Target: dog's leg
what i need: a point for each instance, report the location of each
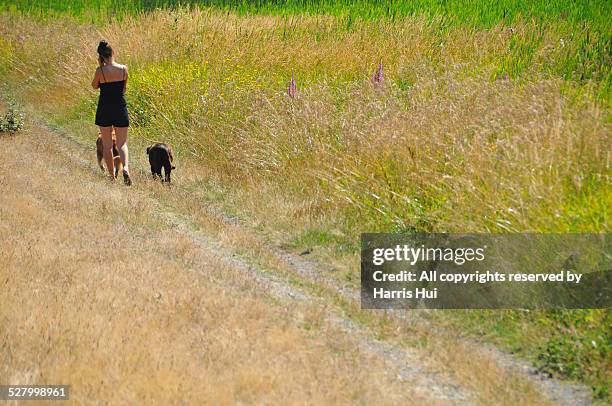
(99, 152)
(118, 166)
(100, 159)
(156, 172)
(167, 170)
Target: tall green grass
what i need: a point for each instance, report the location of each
(583, 26)
(477, 12)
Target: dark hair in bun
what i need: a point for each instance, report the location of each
(105, 50)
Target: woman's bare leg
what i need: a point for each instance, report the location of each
(107, 149)
(121, 136)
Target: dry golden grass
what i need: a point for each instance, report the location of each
(99, 294)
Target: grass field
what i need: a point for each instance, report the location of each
(489, 119)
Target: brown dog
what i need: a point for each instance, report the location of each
(100, 154)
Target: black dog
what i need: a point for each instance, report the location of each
(160, 156)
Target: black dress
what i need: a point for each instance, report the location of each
(112, 107)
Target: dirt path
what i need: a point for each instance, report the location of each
(121, 290)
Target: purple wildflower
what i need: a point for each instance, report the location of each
(378, 77)
(292, 90)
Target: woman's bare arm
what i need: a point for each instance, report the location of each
(95, 83)
(126, 79)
